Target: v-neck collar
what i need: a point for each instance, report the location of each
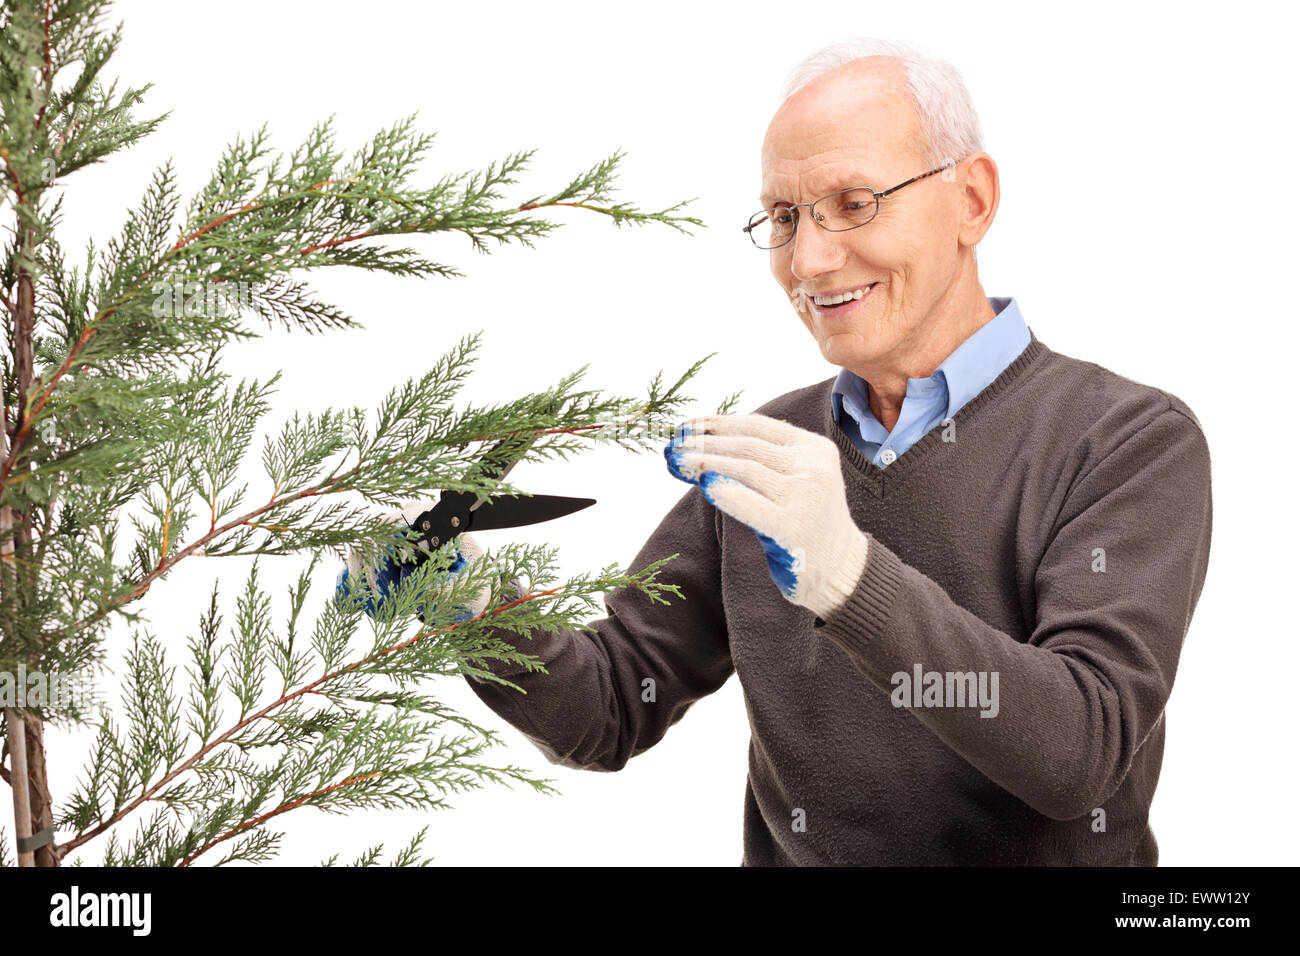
(925, 445)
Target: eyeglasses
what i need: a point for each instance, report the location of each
(838, 212)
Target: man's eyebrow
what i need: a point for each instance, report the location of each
(844, 182)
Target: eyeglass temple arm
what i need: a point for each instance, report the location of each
(948, 165)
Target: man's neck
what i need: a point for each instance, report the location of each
(887, 388)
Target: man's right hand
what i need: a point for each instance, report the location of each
(385, 574)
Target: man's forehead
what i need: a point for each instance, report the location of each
(820, 175)
(826, 162)
(854, 125)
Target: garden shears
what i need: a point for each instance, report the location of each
(459, 512)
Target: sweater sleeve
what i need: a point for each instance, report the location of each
(1080, 696)
(611, 692)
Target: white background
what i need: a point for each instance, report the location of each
(1147, 223)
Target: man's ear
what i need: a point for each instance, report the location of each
(980, 195)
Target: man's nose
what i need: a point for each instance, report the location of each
(814, 249)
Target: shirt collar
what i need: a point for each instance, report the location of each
(850, 386)
(982, 357)
(964, 373)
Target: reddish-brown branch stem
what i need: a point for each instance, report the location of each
(283, 808)
(58, 147)
(186, 240)
(166, 565)
(15, 447)
(246, 207)
(543, 205)
(336, 242)
(13, 174)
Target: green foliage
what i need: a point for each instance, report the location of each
(360, 735)
(129, 446)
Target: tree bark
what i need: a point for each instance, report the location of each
(37, 790)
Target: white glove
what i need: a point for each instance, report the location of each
(786, 484)
(385, 574)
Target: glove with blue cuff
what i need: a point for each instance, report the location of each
(386, 574)
(785, 483)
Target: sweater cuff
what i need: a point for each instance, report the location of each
(864, 617)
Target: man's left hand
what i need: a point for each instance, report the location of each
(785, 483)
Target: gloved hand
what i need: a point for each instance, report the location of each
(386, 573)
(785, 483)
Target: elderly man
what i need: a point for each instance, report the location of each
(954, 578)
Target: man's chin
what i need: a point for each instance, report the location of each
(844, 349)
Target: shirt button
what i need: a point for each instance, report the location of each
(888, 456)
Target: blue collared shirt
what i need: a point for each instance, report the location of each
(930, 401)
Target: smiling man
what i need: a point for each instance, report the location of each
(953, 578)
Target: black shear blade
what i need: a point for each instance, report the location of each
(511, 512)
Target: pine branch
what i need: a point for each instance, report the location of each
(418, 446)
(596, 186)
(391, 658)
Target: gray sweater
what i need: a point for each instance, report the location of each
(993, 691)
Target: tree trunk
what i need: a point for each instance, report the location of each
(38, 788)
(37, 784)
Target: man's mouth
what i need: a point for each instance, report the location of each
(840, 304)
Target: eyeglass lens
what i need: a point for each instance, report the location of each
(847, 209)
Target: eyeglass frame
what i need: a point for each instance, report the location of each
(876, 196)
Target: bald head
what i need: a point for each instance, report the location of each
(862, 109)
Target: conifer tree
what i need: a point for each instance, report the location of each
(128, 447)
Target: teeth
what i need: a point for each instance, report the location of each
(837, 299)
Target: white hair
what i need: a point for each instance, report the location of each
(949, 123)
